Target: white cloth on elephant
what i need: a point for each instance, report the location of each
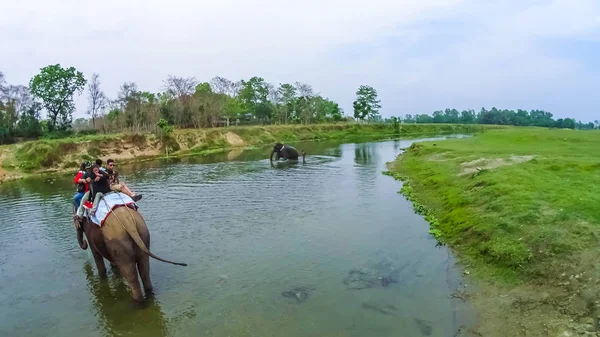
(108, 202)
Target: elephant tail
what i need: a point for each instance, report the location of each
(131, 229)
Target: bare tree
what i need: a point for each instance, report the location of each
(180, 86)
(235, 90)
(127, 90)
(304, 90)
(305, 101)
(20, 96)
(274, 94)
(221, 85)
(97, 100)
(14, 100)
(3, 87)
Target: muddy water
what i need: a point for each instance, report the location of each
(331, 227)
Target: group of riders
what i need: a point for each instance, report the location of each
(94, 181)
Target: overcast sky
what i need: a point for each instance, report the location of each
(420, 55)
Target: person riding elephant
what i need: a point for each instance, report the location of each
(81, 183)
(124, 240)
(287, 152)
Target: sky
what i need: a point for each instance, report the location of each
(420, 55)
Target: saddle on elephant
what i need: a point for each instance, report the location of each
(107, 203)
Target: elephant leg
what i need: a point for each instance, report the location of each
(144, 268)
(114, 268)
(130, 273)
(99, 263)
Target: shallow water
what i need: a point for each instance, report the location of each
(248, 232)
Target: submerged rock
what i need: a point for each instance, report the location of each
(361, 279)
(300, 294)
(382, 273)
(385, 310)
(424, 327)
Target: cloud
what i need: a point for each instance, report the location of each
(420, 55)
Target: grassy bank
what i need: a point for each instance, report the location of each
(520, 203)
(63, 154)
(520, 206)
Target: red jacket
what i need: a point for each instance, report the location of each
(79, 176)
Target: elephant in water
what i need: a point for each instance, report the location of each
(286, 152)
(124, 240)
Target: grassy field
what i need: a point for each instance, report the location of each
(54, 155)
(519, 204)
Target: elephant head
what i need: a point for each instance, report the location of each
(276, 148)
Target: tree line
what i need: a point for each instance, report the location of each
(496, 116)
(184, 102)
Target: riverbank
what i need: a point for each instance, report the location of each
(63, 155)
(519, 207)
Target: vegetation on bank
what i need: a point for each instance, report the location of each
(518, 203)
(57, 154)
(496, 116)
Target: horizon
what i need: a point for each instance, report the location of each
(420, 56)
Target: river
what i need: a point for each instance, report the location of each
(249, 232)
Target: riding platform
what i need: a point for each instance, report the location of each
(107, 203)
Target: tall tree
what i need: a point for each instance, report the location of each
(221, 85)
(366, 103)
(180, 86)
(253, 93)
(97, 99)
(55, 86)
(3, 87)
(305, 102)
(288, 97)
(29, 122)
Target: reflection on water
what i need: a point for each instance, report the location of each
(364, 154)
(117, 317)
(325, 248)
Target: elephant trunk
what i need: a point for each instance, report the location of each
(271, 156)
(82, 242)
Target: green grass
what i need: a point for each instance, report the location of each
(513, 220)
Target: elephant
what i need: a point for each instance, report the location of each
(124, 240)
(286, 152)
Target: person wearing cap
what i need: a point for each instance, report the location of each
(81, 183)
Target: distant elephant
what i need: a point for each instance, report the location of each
(286, 152)
(124, 240)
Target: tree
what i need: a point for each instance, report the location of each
(233, 108)
(19, 113)
(366, 103)
(29, 123)
(180, 86)
(396, 123)
(97, 99)
(3, 88)
(253, 93)
(55, 86)
(222, 85)
(288, 97)
(305, 102)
